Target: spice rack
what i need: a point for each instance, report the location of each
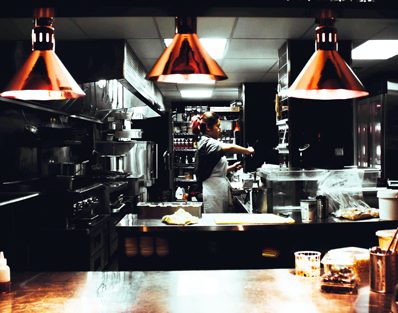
(184, 146)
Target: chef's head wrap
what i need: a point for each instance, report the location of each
(199, 123)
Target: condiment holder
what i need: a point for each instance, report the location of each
(307, 263)
(383, 267)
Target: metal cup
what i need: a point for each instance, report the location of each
(383, 271)
(308, 210)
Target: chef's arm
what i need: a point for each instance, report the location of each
(232, 148)
(234, 167)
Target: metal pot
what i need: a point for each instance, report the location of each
(112, 163)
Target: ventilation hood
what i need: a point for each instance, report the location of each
(108, 71)
(111, 76)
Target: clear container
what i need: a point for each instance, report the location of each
(385, 236)
(339, 274)
(290, 186)
(370, 177)
(307, 263)
(359, 256)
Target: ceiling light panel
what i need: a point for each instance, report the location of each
(214, 46)
(375, 50)
(196, 93)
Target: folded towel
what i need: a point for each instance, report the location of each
(180, 217)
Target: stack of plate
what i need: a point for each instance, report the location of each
(131, 246)
(162, 246)
(146, 246)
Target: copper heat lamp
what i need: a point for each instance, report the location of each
(185, 60)
(43, 76)
(326, 76)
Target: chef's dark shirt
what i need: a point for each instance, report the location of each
(207, 155)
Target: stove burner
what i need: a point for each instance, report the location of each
(111, 176)
(87, 221)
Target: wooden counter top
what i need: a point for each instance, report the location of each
(277, 290)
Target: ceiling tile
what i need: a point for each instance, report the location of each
(244, 77)
(167, 87)
(242, 65)
(274, 68)
(360, 28)
(253, 48)
(358, 64)
(215, 27)
(390, 32)
(270, 77)
(171, 93)
(66, 28)
(226, 83)
(15, 29)
(166, 26)
(225, 96)
(148, 63)
(146, 48)
(118, 27)
(265, 27)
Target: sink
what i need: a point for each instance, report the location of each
(12, 197)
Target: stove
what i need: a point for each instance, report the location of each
(73, 208)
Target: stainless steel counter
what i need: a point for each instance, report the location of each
(231, 291)
(207, 223)
(151, 245)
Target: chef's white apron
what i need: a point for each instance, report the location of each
(216, 191)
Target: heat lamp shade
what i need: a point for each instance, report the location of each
(326, 76)
(186, 61)
(43, 77)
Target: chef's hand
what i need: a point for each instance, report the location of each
(236, 166)
(250, 150)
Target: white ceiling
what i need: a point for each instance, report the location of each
(251, 53)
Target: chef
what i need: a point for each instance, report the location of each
(211, 165)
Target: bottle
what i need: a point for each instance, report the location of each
(5, 281)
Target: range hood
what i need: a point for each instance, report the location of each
(108, 71)
(112, 77)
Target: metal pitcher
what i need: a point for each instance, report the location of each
(383, 271)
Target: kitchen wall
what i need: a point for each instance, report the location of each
(260, 122)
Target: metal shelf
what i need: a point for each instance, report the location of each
(44, 108)
(184, 150)
(182, 122)
(184, 135)
(184, 166)
(186, 181)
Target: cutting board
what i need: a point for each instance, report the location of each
(242, 218)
